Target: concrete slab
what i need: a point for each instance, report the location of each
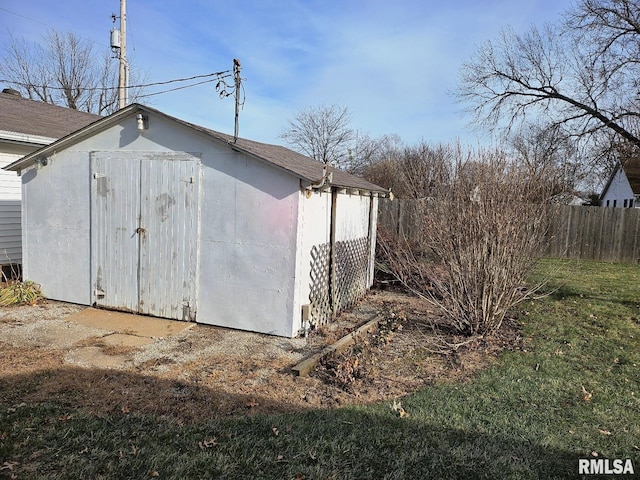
(128, 323)
(126, 340)
(95, 357)
(48, 333)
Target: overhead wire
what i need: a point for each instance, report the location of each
(176, 88)
(218, 76)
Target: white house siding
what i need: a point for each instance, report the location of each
(9, 181)
(10, 195)
(618, 192)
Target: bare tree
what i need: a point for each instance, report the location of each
(322, 133)
(581, 73)
(415, 171)
(550, 154)
(367, 153)
(64, 70)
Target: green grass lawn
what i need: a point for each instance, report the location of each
(574, 392)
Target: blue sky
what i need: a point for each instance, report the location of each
(393, 64)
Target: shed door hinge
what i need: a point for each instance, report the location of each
(97, 175)
(99, 293)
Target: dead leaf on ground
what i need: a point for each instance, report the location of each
(605, 432)
(586, 396)
(397, 407)
(208, 443)
(275, 431)
(9, 465)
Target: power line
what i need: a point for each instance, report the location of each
(51, 27)
(174, 89)
(218, 76)
(24, 16)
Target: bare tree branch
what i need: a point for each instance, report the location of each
(63, 70)
(322, 133)
(582, 73)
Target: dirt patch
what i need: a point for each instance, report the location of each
(205, 371)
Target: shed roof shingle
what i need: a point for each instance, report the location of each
(30, 117)
(281, 157)
(294, 162)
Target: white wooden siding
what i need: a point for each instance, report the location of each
(10, 227)
(619, 190)
(9, 181)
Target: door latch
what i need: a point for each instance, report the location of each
(140, 230)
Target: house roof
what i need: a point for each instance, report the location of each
(39, 119)
(631, 169)
(300, 165)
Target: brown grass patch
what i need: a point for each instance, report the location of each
(390, 362)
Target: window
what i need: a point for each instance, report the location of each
(614, 203)
(607, 203)
(625, 203)
(631, 203)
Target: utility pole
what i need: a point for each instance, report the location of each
(119, 48)
(122, 79)
(237, 80)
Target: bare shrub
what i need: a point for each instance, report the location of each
(477, 239)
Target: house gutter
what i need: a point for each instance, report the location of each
(25, 138)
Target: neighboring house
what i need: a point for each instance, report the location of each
(26, 125)
(567, 198)
(623, 188)
(147, 213)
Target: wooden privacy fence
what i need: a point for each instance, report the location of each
(584, 233)
(401, 216)
(595, 233)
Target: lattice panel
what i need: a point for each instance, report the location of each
(319, 299)
(352, 265)
(350, 277)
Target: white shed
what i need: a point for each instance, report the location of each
(147, 213)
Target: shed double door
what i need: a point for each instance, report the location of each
(144, 232)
